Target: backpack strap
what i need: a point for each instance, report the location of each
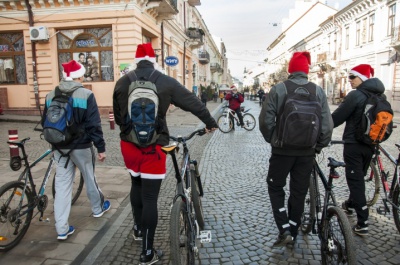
(152, 78)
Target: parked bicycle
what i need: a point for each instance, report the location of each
(187, 218)
(19, 198)
(323, 217)
(377, 174)
(227, 119)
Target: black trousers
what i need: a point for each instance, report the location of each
(144, 196)
(357, 158)
(239, 114)
(299, 168)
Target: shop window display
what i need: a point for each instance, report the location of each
(12, 59)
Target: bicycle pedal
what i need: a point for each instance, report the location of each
(47, 220)
(205, 236)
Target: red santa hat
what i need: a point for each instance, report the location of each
(363, 71)
(145, 52)
(300, 62)
(73, 70)
(233, 87)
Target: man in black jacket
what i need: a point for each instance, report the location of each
(148, 169)
(357, 155)
(285, 160)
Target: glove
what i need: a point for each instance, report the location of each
(236, 96)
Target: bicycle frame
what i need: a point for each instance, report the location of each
(377, 160)
(26, 176)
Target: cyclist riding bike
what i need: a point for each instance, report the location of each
(235, 99)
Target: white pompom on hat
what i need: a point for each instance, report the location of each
(145, 52)
(73, 70)
(363, 71)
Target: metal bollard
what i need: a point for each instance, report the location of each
(13, 136)
(112, 123)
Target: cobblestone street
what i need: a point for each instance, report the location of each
(236, 204)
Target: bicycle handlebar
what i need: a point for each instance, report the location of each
(179, 139)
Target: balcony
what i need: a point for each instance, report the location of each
(214, 67)
(395, 41)
(195, 33)
(204, 57)
(194, 2)
(166, 9)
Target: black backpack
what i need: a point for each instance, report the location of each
(377, 119)
(299, 119)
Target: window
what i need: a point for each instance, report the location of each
(92, 47)
(391, 22)
(364, 31)
(12, 58)
(371, 27)
(347, 38)
(358, 33)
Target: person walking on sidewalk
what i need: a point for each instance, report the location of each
(357, 155)
(147, 168)
(298, 162)
(87, 118)
(235, 99)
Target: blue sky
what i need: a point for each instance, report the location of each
(246, 26)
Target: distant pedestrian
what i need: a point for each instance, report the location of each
(291, 160)
(147, 165)
(204, 98)
(260, 94)
(221, 96)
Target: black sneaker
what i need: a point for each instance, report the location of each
(282, 239)
(152, 258)
(361, 231)
(346, 209)
(137, 234)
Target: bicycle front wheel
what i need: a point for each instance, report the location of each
(337, 243)
(249, 121)
(198, 207)
(395, 208)
(308, 217)
(372, 182)
(225, 124)
(16, 209)
(76, 188)
(180, 235)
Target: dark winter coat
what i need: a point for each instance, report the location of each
(351, 109)
(86, 115)
(170, 91)
(270, 109)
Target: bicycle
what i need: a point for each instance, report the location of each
(376, 174)
(19, 198)
(225, 123)
(333, 227)
(187, 217)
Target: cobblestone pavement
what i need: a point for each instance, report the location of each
(236, 204)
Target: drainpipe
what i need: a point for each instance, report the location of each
(162, 46)
(184, 63)
(33, 45)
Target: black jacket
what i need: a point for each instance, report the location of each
(169, 90)
(350, 110)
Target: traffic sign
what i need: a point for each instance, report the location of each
(171, 60)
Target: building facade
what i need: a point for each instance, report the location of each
(36, 37)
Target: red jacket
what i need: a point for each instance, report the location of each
(234, 102)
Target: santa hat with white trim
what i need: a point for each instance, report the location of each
(73, 70)
(363, 71)
(145, 52)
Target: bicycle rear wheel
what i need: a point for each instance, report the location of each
(249, 121)
(180, 235)
(13, 223)
(372, 184)
(76, 188)
(337, 243)
(308, 217)
(396, 212)
(225, 124)
(198, 207)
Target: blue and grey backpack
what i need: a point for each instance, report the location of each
(143, 102)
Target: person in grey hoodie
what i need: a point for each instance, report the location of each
(297, 162)
(79, 153)
(357, 155)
